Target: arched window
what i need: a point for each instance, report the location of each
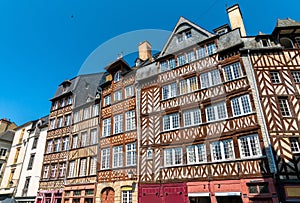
(117, 76)
(286, 43)
(297, 39)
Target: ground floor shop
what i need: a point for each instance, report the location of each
(84, 193)
(290, 191)
(49, 196)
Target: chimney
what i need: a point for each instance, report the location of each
(236, 19)
(145, 51)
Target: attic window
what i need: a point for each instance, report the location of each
(188, 34)
(180, 37)
(117, 76)
(286, 43)
(265, 42)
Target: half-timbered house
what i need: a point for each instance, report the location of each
(117, 180)
(82, 161)
(68, 94)
(201, 139)
(275, 62)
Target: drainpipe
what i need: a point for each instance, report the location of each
(261, 111)
(138, 127)
(100, 132)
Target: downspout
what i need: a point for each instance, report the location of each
(262, 114)
(100, 132)
(137, 100)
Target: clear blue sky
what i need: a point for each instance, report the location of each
(44, 42)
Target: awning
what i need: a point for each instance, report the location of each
(199, 194)
(228, 194)
(126, 188)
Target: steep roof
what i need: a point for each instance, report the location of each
(287, 23)
(7, 136)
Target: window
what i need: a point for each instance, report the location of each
(118, 123)
(17, 155)
(181, 60)
(93, 166)
(188, 34)
(241, 105)
(69, 100)
(76, 117)
(57, 145)
(46, 171)
(118, 95)
(188, 85)
(86, 113)
(296, 75)
(249, 146)
(95, 110)
(62, 102)
(192, 117)
(129, 91)
(216, 112)
(31, 160)
(49, 146)
(75, 141)
(258, 188)
(294, 145)
(53, 171)
(201, 52)
(265, 42)
(105, 156)
(35, 142)
(71, 169)
(173, 156)
(171, 121)
(82, 168)
(66, 143)
(130, 120)
(211, 48)
(59, 122)
(127, 196)
(167, 65)
(106, 127)
(222, 150)
(52, 124)
(118, 156)
(107, 100)
(131, 154)
(83, 139)
(190, 56)
(93, 139)
(117, 76)
(26, 186)
(3, 151)
(169, 91)
(284, 107)
(68, 120)
(196, 154)
(55, 106)
(275, 77)
(232, 71)
(286, 43)
(62, 169)
(179, 37)
(210, 79)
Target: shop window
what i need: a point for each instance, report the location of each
(258, 188)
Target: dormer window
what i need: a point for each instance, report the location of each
(117, 77)
(188, 34)
(180, 37)
(286, 43)
(265, 42)
(297, 39)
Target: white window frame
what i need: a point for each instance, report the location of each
(169, 91)
(107, 100)
(296, 74)
(105, 158)
(131, 154)
(93, 136)
(86, 113)
(181, 59)
(82, 168)
(95, 110)
(106, 127)
(118, 124)
(126, 196)
(171, 121)
(130, 120)
(117, 156)
(117, 76)
(249, 146)
(53, 172)
(275, 77)
(192, 117)
(129, 91)
(68, 120)
(60, 122)
(210, 79)
(232, 71)
(71, 173)
(294, 143)
(57, 145)
(188, 85)
(3, 151)
(52, 124)
(49, 146)
(93, 166)
(75, 141)
(118, 95)
(201, 52)
(196, 154)
(284, 107)
(76, 117)
(46, 171)
(215, 112)
(66, 143)
(84, 137)
(222, 145)
(241, 105)
(62, 169)
(190, 56)
(170, 156)
(211, 48)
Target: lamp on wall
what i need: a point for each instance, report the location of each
(130, 174)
